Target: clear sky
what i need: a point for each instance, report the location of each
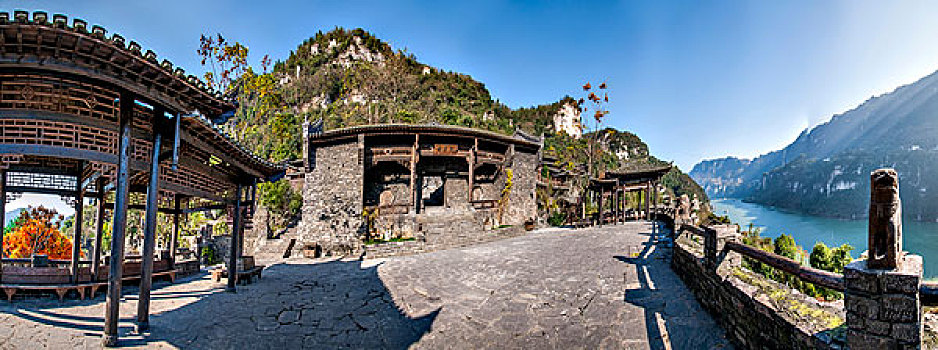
(694, 79)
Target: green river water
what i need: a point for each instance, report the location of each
(918, 237)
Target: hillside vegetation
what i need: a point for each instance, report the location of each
(349, 77)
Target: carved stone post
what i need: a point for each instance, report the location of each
(885, 230)
(884, 310)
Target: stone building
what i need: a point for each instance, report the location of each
(436, 185)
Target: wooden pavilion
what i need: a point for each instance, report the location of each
(614, 185)
(83, 114)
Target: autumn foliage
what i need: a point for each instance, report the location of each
(36, 231)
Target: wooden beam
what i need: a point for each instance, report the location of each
(221, 154)
(58, 152)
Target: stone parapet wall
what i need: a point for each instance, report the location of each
(389, 249)
(756, 312)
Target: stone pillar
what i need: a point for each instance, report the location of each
(885, 227)
(715, 238)
(883, 306)
(884, 310)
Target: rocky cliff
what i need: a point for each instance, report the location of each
(825, 171)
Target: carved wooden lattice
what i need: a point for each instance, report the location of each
(57, 94)
(60, 134)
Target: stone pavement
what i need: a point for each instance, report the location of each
(589, 288)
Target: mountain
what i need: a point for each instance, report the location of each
(825, 171)
(350, 77)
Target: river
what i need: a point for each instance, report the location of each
(918, 237)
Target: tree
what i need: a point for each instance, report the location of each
(37, 231)
(593, 124)
(828, 259)
(821, 257)
(785, 246)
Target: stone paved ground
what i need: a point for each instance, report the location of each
(589, 288)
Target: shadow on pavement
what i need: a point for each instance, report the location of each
(669, 309)
(338, 304)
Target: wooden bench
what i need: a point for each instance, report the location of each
(60, 289)
(582, 223)
(218, 274)
(97, 285)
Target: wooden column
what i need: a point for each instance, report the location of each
(3, 214)
(648, 201)
(119, 227)
(98, 231)
(414, 205)
(79, 217)
(600, 205)
(149, 232)
(233, 257)
(472, 166)
(174, 241)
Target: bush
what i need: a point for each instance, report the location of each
(557, 219)
(208, 255)
(283, 202)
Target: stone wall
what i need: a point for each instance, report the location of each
(756, 312)
(522, 204)
(332, 200)
(336, 192)
(456, 192)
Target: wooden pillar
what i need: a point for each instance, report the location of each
(648, 201)
(3, 214)
(79, 217)
(149, 232)
(119, 227)
(99, 231)
(414, 156)
(233, 257)
(173, 242)
(600, 205)
(472, 166)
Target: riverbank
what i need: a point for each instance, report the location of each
(918, 237)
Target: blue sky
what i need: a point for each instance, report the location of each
(694, 79)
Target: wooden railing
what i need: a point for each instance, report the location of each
(928, 291)
(818, 277)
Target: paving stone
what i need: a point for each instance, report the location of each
(547, 289)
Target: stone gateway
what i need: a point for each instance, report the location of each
(423, 187)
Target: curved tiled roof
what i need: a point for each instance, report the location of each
(41, 43)
(425, 128)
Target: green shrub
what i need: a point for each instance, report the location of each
(208, 255)
(557, 219)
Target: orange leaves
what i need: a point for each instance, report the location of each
(37, 232)
(597, 102)
(231, 59)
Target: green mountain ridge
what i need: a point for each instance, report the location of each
(825, 171)
(349, 78)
